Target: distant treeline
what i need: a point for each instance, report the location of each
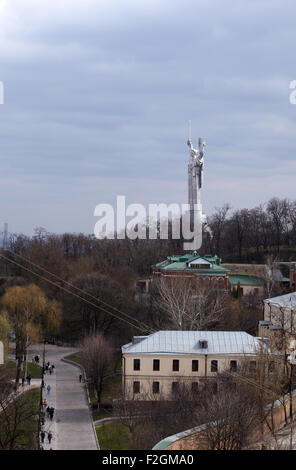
(250, 235)
(245, 235)
(108, 269)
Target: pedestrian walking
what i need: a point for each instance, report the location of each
(42, 435)
(51, 413)
(28, 379)
(47, 411)
(53, 367)
(48, 389)
(50, 370)
(44, 403)
(49, 437)
(80, 378)
(23, 381)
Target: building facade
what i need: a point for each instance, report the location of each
(206, 268)
(281, 311)
(155, 366)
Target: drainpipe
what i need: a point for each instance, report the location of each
(123, 359)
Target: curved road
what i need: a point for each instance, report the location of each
(72, 426)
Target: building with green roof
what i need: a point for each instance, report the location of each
(210, 269)
(207, 268)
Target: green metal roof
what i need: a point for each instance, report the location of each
(245, 280)
(181, 262)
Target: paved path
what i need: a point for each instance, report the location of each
(72, 425)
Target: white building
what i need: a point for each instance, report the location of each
(281, 311)
(154, 365)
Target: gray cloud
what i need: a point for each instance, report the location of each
(98, 94)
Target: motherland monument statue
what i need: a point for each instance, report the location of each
(197, 220)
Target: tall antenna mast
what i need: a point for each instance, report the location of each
(5, 236)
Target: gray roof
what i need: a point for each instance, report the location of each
(287, 301)
(187, 342)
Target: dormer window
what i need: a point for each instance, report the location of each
(200, 263)
(203, 344)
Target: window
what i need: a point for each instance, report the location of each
(214, 388)
(194, 365)
(175, 365)
(155, 387)
(194, 387)
(175, 387)
(233, 366)
(136, 387)
(156, 364)
(214, 366)
(136, 364)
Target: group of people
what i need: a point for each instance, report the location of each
(28, 379)
(43, 434)
(47, 410)
(48, 368)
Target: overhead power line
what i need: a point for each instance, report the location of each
(82, 291)
(142, 328)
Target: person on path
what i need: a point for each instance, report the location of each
(52, 368)
(42, 435)
(51, 413)
(28, 379)
(48, 412)
(23, 381)
(48, 389)
(49, 437)
(80, 378)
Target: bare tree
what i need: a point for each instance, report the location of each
(230, 415)
(97, 355)
(191, 305)
(16, 413)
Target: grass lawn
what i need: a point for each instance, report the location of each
(27, 429)
(10, 368)
(114, 436)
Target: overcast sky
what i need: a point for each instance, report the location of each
(98, 94)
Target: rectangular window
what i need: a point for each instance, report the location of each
(233, 366)
(155, 387)
(175, 387)
(214, 366)
(214, 388)
(156, 364)
(194, 387)
(194, 365)
(136, 387)
(175, 365)
(136, 364)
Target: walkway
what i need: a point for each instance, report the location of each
(72, 426)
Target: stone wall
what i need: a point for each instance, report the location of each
(193, 439)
